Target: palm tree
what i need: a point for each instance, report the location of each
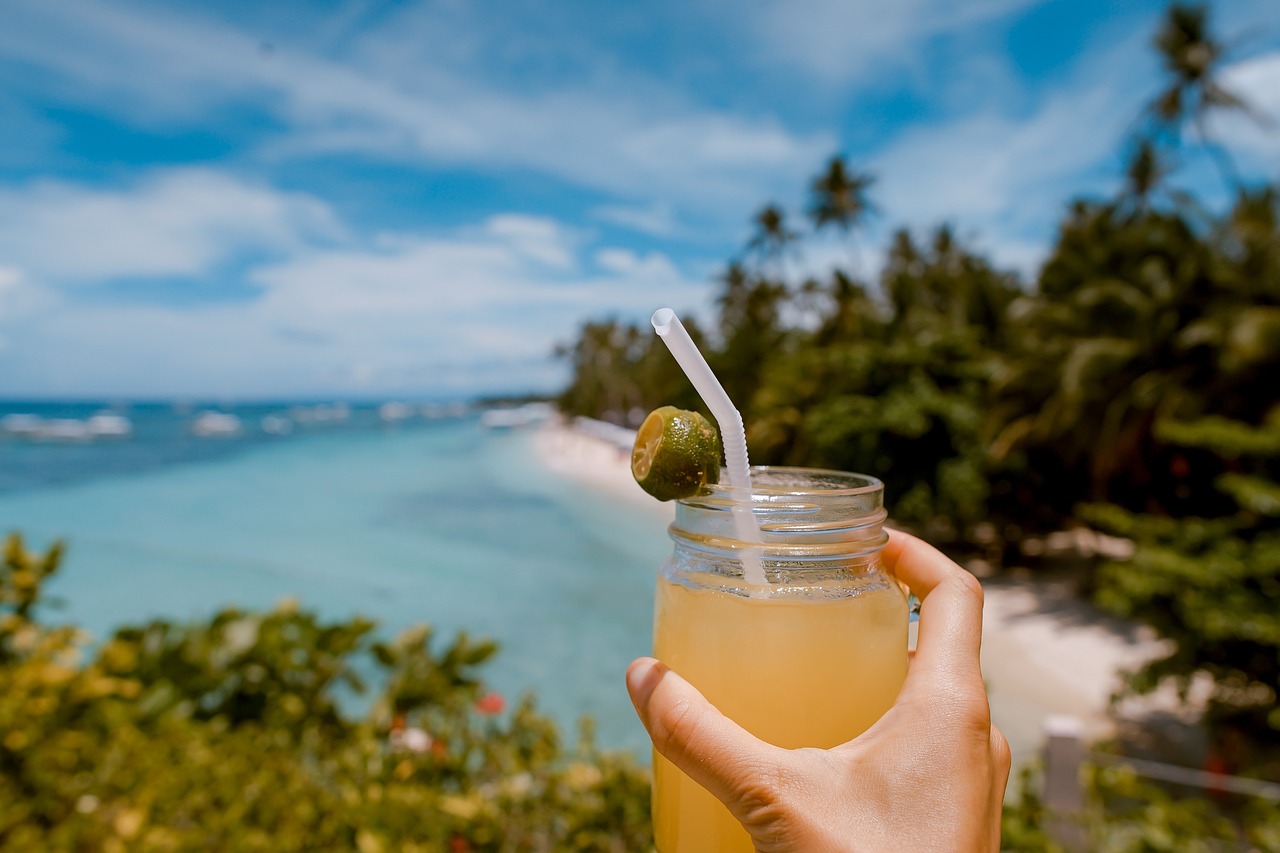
(1143, 176)
(1252, 238)
(1140, 319)
(1192, 59)
(603, 363)
(900, 278)
(1098, 357)
(838, 197)
(751, 329)
(772, 235)
(945, 286)
(851, 314)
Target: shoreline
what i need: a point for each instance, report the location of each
(597, 455)
(1044, 651)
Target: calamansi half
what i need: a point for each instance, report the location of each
(677, 452)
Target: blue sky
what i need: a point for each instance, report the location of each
(289, 199)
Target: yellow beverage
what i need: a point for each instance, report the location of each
(794, 670)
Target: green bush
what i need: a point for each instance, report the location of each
(1124, 813)
(229, 735)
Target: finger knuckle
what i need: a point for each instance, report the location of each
(763, 797)
(967, 712)
(967, 585)
(675, 730)
(1001, 754)
(966, 703)
(975, 726)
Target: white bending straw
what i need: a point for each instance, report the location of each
(673, 334)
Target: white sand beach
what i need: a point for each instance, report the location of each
(597, 455)
(1044, 651)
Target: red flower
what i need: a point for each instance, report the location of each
(458, 844)
(491, 703)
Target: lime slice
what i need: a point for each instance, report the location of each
(677, 452)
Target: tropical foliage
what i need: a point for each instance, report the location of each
(1130, 386)
(239, 734)
(838, 372)
(1212, 585)
(232, 735)
(1124, 813)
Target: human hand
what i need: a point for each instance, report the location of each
(929, 775)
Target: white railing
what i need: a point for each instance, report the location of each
(1064, 796)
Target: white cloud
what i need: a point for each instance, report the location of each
(538, 238)
(490, 284)
(10, 284)
(623, 136)
(482, 303)
(1003, 176)
(838, 40)
(626, 262)
(991, 166)
(9, 279)
(478, 308)
(179, 223)
(656, 219)
(1002, 173)
(1257, 82)
(20, 296)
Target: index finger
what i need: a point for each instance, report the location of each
(950, 604)
(692, 734)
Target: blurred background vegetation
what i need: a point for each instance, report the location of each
(1131, 387)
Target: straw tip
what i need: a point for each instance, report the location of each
(662, 320)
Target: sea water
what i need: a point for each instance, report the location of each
(438, 521)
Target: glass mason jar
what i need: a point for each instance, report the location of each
(811, 660)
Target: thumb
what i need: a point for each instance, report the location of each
(688, 731)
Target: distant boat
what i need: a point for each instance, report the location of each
(64, 429)
(395, 412)
(276, 425)
(21, 424)
(216, 425)
(109, 425)
(436, 411)
(518, 416)
(319, 414)
(101, 425)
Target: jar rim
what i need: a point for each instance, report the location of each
(825, 482)
(800, 513)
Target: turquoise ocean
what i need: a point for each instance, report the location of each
(434, 520)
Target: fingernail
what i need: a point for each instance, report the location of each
(642, 677)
